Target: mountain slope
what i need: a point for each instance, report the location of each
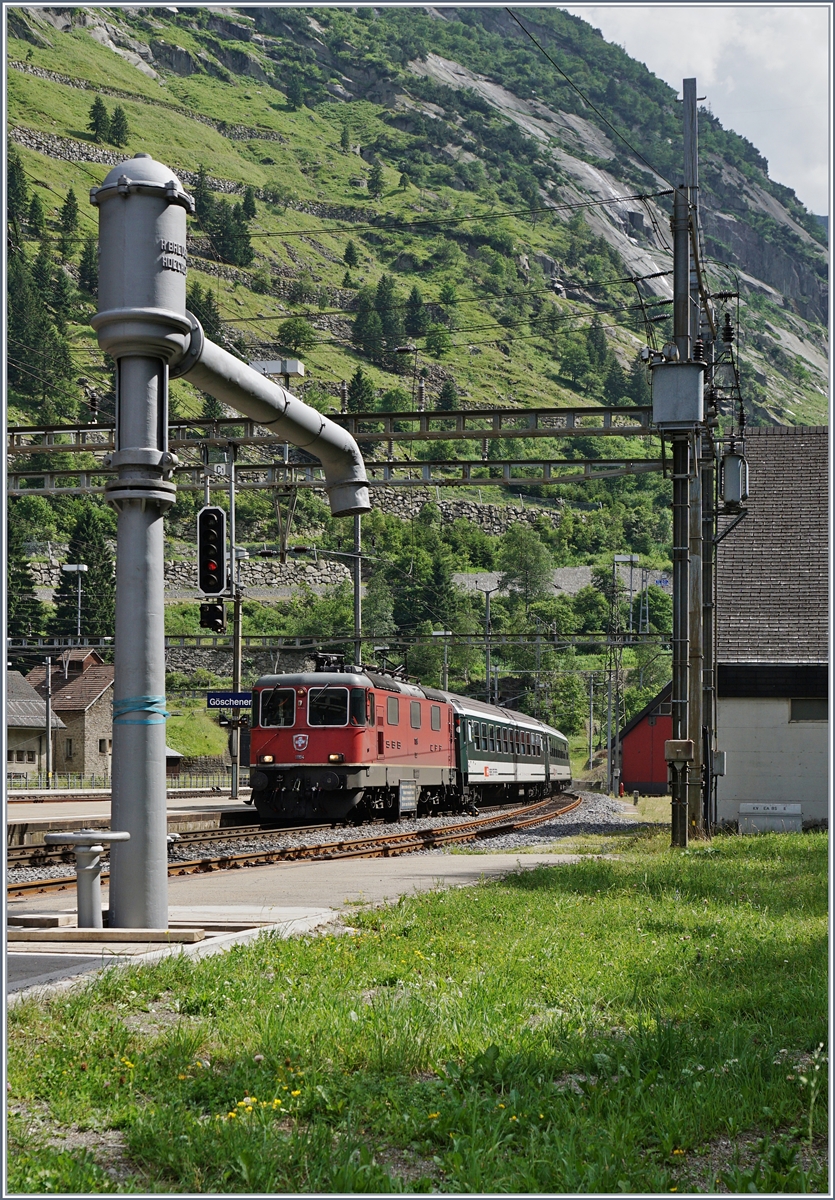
(465, 116)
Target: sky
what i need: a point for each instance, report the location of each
(764, 69)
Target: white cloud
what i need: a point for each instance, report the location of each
(764, 69)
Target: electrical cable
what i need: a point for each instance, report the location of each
(396, 226)
(485, 299)
(586, 100)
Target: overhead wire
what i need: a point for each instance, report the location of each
(333, 312)
(587, 101)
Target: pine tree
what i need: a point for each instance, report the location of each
(375, 180)
(99, 123)
(417, 316)
(39, 363)
(68, 221)
(596, 344)
(405, 181)
(119, 128)
(17, 189)
(615, 386)
(203, 200)
(345, 139)
(25, 613)
(391, 313)
(88, 267)
(295, 92)
(43, 269)
(448, 396)
(351, 256)
(212, 408)
(638, 388)
(360, 392)
(347, 281)
(36, 219)
(202, 303)
(367, 333)
(61, 298)
(248, 207)
(98, 584)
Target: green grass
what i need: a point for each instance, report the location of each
(195, 731)
(603, 1027)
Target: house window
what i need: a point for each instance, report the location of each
(30, 756)
(414, 714)
(810, 710)
(68, 748)
(392, 710)
(21, 756)
(102, 745)
(10, 756)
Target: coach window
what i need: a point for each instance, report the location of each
(474, 730)
(327, 706)
(492, 735)
(414, 714)
(506, 740)
(392, 710)
(357, 706)
(435, 716)
(278, 707)
(483, 736)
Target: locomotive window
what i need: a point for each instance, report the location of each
(278, 707)
(414, 714)
(357, 706)
(435, 716)
(370, 708)
(392, 710)
(327, 706)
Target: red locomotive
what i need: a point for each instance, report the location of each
(333, 743)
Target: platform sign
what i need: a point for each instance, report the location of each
(228, 699)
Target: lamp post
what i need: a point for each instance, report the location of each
(78, 569)
(443, 633)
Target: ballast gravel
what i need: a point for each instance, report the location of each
(597, 814)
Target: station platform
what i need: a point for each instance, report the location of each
(28, 821)
(236, 906)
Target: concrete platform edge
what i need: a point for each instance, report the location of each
(197, 950)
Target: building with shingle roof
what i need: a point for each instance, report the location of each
(26, 727)
(81, 694)
(772, 628)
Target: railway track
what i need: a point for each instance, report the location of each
(383, 846)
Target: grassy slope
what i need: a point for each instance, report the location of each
(629, 1025)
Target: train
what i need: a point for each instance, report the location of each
(346, 742)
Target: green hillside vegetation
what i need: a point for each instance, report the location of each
(348, 204)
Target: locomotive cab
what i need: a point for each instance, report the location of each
(311, 744)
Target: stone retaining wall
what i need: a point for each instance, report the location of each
(494, 519)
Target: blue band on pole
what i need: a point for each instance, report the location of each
(149, 704)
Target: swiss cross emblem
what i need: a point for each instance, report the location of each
(300, 741)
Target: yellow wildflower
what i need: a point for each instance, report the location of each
(678, 1152)
(296, 1093)
(432, 1116)
(514, 1118)
(500, 1106)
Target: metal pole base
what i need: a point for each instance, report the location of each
(88, 886)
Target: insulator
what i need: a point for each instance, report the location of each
(727, 330)
(699, 350)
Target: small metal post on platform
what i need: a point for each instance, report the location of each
(445, 634)
(89, 847)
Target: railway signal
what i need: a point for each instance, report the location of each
(211, 552)
(213, 616)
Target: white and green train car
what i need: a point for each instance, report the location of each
(505, 755)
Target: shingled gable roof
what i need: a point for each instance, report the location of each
(24, 707)
(772, 589)
(75, 692)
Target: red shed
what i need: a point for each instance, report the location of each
(642, 746)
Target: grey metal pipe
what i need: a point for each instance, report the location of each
(216, 371)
